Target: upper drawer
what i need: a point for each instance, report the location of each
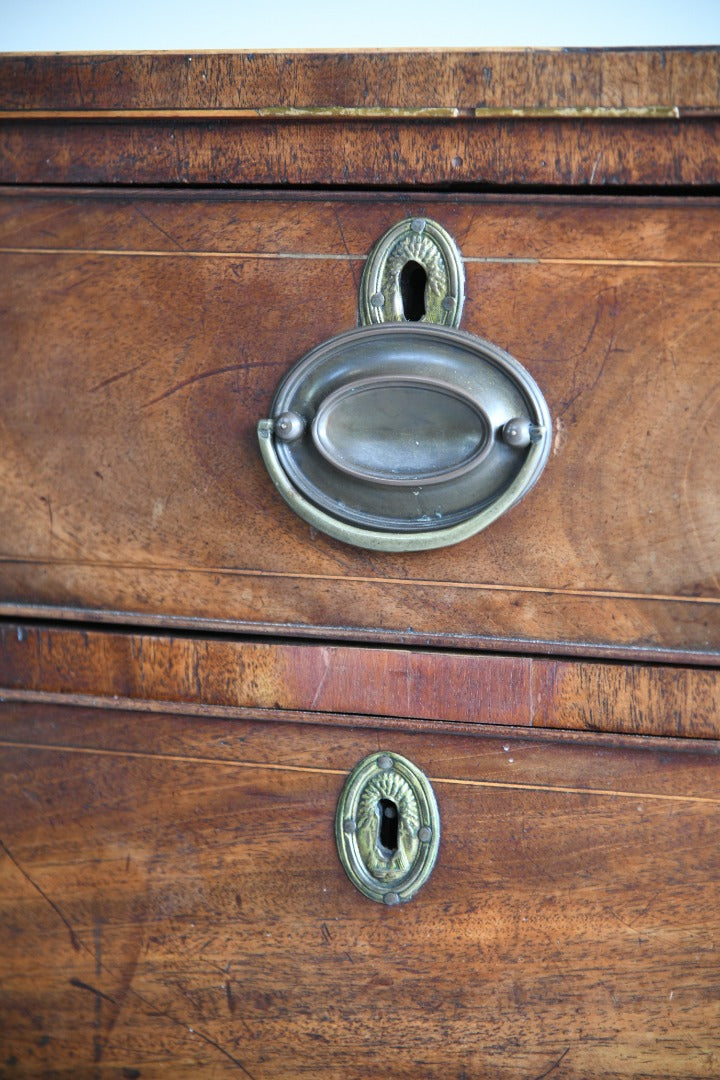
(144, 334)
(560, 117)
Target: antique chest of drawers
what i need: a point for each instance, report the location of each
(190, 671)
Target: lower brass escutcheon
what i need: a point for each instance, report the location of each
(387, 828)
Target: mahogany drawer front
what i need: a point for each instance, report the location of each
(145, 332)
(172, 899)
(335, 684)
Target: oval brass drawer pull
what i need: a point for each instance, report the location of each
(406, 435)
(387, 828)
(402, 430)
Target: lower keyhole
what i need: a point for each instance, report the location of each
(388, 832)
(413, 280)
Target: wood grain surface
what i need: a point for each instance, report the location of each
(171, 902)
(144, 335)
(334, 684)
(484, 153)
(549, 117)
(456, 78)
(171, 899)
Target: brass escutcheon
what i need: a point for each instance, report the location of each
(387, 828)
(423, 245)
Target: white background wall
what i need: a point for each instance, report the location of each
(98, 25)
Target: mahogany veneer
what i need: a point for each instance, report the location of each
(188, 671)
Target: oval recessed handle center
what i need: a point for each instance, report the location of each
(402, 430)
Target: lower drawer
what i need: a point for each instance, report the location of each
(171, 900)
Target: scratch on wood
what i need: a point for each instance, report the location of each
(554, 1066)
(353, 270)
(73, 937)
(78, 946)
(207, 1039)
(595, 167)
(207, 375)
(92, 989)
(600, 310)
(197, 677)
(325, 655)
(114, 378)
(627, 925)
(155, 225)
(48, 503)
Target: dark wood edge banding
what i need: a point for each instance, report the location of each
(549, 646)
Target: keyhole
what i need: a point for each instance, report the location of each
(413, 280)
(388, 831)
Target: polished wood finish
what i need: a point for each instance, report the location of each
(550, 230)
(140, 495)
(599, 118)
(188, 671)
(688, 78)
(597, 154)
(183, 879)
(334, 684)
